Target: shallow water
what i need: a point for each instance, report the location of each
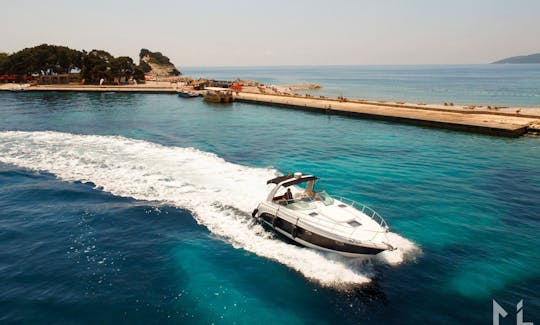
(135, 208)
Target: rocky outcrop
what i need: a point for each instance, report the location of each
(157, 65)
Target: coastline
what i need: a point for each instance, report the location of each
(492, 120)
(157, 87)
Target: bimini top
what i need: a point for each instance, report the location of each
(279, 179)
(293, 179)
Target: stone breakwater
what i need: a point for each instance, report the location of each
(507, 122)
(500, 121)
(154, 87)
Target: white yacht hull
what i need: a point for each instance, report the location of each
(310, 237)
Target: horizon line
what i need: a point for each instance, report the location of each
(351, 65)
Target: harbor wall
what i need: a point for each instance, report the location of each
(414, 116)
(457, 118)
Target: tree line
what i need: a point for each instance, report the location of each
(51, 59)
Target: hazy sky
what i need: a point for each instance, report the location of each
(276, 32)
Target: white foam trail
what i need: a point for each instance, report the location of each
(404, 250)
(220, 194)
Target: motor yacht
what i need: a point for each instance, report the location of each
(312, 218)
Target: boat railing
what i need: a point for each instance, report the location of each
(365, 210)
(345, 230)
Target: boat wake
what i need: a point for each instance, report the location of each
(221, 195)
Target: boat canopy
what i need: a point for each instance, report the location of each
(293, 179)
(279, 179)
(302, 179)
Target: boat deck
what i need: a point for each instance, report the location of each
(360, 227)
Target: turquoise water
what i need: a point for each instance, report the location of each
(134, 208)
(489, 84)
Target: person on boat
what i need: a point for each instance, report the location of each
(288, 195)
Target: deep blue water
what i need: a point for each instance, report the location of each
(129, 229)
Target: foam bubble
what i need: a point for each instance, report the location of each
(220, 194)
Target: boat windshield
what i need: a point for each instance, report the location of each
(324, 197)
(305, 201)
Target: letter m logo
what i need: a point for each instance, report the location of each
(498, 311)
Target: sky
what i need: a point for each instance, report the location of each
(281, 32)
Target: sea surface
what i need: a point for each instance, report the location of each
(488, 84)
(135, 208)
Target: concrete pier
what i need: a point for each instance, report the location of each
(158, 89)
(501, 121)
(496, 123)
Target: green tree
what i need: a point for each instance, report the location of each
(122, 67)
(4, 60)
(138, 73)
(44, 58)
(96, 65)
(93, 65)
